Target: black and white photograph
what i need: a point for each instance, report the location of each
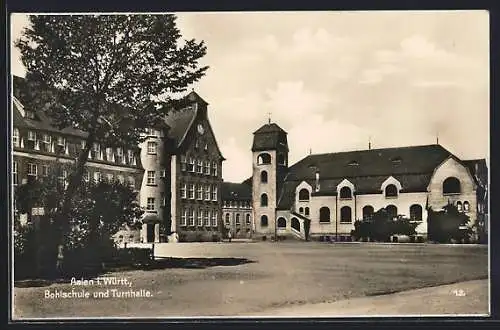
(293, 164)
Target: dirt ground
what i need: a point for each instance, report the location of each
(269, 277)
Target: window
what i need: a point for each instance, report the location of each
(207, 192)
(214, 193)
(83, 143)
(131, 158)
(63, 175)
(206, 218)
(451, 186)
(200, 218)
(162, 174)
(191, 165)
(183, 190)
(32, 169)
(228, 220)
(15, 176)
(303, 195)
(367, 212)
(392, 211)
(15, 137)
(199, 166)
(199, 195)
(345, 214)
(110, 177)
(31, 136)
(30, 114)
(152, 148)
(196, 144)
(295, 224)
(45, 170)
(183, 163)
(61, 141)
(264, 158)
(263, 177)
(281, 159)
(191, 191)
(345, 193)
(214, 218)
(301, 210)
(263, 221)
(459, 206)
(214, 168)
(86, 176)
(263, 200)
(206, 147)
(324, 214)
(151, 178)
(466, 206)
(47, 139)
(238, 221)
(207, 167)
(150, 204)
(151, 132)
(183, 218)
(131, 181)
(416, 212)
(121, 179)
(247, 220)
(97, 176)
(281, 223)
(306, 211)
(110, 157)
(191, 217)
(391, 191)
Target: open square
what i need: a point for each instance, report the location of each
(253, 279)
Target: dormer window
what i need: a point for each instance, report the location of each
(345, 193)
(29, 114)
(353, 163)
(391, 191)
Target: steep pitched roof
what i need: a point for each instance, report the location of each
(179, 123)
(236, 191)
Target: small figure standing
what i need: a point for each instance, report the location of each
(229, 235)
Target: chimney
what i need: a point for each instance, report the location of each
(317, 181)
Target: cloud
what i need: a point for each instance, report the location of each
(238, 163)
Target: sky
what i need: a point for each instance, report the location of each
(336, 80)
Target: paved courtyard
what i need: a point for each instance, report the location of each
(242, 279)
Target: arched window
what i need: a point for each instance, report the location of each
(306, 211)
(295, 224)
(263, 177)
(466, 206)
(227, 219)
(264, 159)
(303, 195)
(238, 219)
(345, 192)
(392, 211)
(416, 212)
(248, 222)
(263, 200)
(281, 223)
(301, 210)
(451, 186)
(263, 221)
(391, 191)
(367, 212)
(459, 206)
(345, 214)
(324, 214)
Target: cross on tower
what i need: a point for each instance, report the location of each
(269, 118)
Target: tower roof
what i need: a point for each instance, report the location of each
(269, 137)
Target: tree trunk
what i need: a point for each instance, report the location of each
(62, 218)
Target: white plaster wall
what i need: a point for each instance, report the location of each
(269, 188)
(316, 203)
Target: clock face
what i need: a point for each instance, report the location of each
(201, 130)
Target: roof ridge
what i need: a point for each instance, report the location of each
(377, 149)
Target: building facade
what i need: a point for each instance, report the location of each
(328, 192)
(177, 169)
(237, 209)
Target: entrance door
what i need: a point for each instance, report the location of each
(150, 234)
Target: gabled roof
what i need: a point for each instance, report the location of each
(236, 191)
(179, 122)
(366, 169)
